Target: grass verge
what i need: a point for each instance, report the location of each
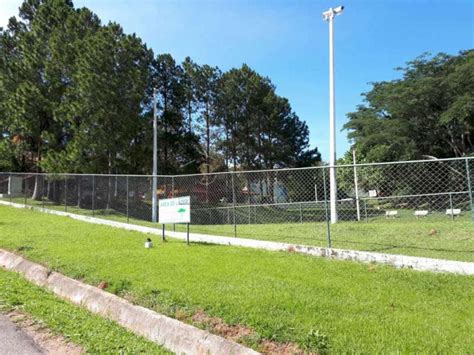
(93, 333)
(435, 236)
(284, 297)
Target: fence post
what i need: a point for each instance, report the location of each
(326, 209)
(42, 190)
(25, 181)
(10, 187)
(93, 195)
(65, 194)
(128, 217)
(469, 187)
(172, 195)
(365, 209)
(451, 206)
(301, 213)
(233, 204)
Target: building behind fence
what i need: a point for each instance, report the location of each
(409, 189)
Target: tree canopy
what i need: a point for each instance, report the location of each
(76, 95)
(428, 112)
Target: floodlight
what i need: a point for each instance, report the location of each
(332, 12)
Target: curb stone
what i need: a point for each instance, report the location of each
(170, 333)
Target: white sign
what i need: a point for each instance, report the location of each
(174, 210)
(372, 193)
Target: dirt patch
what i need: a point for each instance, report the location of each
(240, 333)
(103, 285)
(52, 344)
(272, 348)
(218, 326)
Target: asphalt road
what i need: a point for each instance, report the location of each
(14, 341)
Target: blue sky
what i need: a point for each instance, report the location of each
(287, 40)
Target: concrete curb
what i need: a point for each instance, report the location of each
(396, 260)
(170, 333)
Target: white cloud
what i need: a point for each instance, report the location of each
(8, 8)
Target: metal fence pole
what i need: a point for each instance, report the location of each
(25, 181)
(328, 222)
(451, 206)
(301, 213)
(469, 187)
(10, 184)
(187, 233)
(93, 195)
(42, 190)
(128, 217)
(233, 204)
(65, 194)
(172, 195)
(365, 210)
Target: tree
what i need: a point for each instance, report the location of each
(430, 111)
(261, 130)
(76, 96)
(35, 73)
(102, 109)
(178, 146)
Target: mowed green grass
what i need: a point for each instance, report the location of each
(93, 333)
(282, 296)
(435, 236)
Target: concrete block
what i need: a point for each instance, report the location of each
(172, 334)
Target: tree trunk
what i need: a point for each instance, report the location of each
(49, 191)
(37, 194)
(37, 191)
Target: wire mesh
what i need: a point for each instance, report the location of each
(289, 205)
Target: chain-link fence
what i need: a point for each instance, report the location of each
(382, 206)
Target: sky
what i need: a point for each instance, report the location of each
(287, 40)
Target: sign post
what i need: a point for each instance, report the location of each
(175, 210)
(187, 233)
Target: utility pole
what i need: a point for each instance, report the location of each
(329, 17)
(154, 197)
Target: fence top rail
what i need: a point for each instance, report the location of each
(86, 174)
(332, 166)
(400, 162)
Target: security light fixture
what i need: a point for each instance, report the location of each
(329, 14)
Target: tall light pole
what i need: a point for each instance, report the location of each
(356, 183)
(154, 197)
(329, 16)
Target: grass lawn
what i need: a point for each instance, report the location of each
(405, 235)
(93, 333)
(283, 297)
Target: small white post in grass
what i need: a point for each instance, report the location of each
(148, 244)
